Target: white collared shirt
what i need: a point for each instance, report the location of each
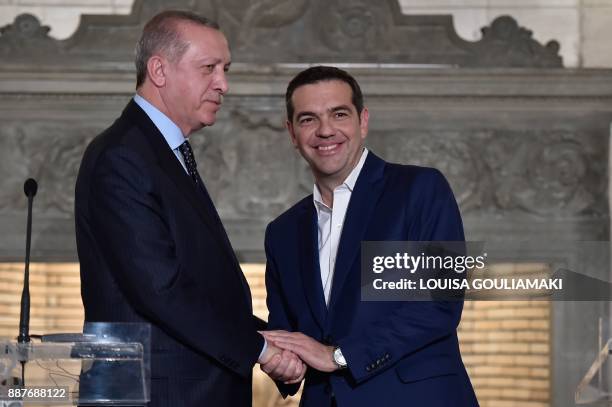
(331, 221)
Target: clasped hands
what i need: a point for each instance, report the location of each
(289, 353)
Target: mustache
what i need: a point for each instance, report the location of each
(218, 99)
(214, 98)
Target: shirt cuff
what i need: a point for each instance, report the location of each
(263, 349)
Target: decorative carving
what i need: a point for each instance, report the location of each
(270, 15)
(551, 174)
(268, 31)
(450, 152)
(26, 36)
(548, 174)
(49, 153)
(13, 167)
(351, 27)
(505, 43)
(556, 177)
(247, 165)
(217, 165)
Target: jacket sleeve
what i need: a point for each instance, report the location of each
(434, 216)
(278, 317)
(135, 240)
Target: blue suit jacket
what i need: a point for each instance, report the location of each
(398, 353)
(152, 249)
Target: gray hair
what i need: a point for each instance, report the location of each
(161, 35)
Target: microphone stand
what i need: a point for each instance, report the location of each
(29, 187)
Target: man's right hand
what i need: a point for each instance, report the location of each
(282, 365)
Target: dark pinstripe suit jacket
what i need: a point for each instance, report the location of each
(152, 249)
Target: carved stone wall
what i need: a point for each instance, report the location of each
(292, 31)
(525, 149)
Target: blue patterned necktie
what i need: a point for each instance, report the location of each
(190, 162)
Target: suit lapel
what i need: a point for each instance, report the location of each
(221, 231)
(170, 164)
(309, 263)
(196, 196)
(364, 198)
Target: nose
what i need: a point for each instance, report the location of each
(221, 84)
(325, 129)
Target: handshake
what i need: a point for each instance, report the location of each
(290, 353)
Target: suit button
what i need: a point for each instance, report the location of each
(387, 356)
(368, 368)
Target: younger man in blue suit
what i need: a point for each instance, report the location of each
(359, 353)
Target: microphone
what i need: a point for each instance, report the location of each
(29, 188)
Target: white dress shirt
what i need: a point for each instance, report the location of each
(331, 221)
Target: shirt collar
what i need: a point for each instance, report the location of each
(171, 132)
(349, 182)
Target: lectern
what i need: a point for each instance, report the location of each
(107, 364)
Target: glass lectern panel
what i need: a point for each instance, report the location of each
(108, 364)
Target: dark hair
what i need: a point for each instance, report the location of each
(318, 74)
(161, 34)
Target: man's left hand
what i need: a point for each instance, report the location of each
(312, 352)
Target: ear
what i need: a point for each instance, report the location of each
(364, 117)
(156, 66)
(291, 131)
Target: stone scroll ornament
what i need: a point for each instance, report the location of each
(505, 43)
(290, 31)
(26, 36)
(549, 173)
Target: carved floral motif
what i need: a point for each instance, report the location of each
(248, 164)
(50, 153)
(353, 27)
(252, 170)
(552, 174)
(250, 23)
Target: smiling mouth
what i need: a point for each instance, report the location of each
(328, 149)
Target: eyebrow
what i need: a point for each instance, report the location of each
(341, 107)
(212, 61)
(305, 113)
(331, 110)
